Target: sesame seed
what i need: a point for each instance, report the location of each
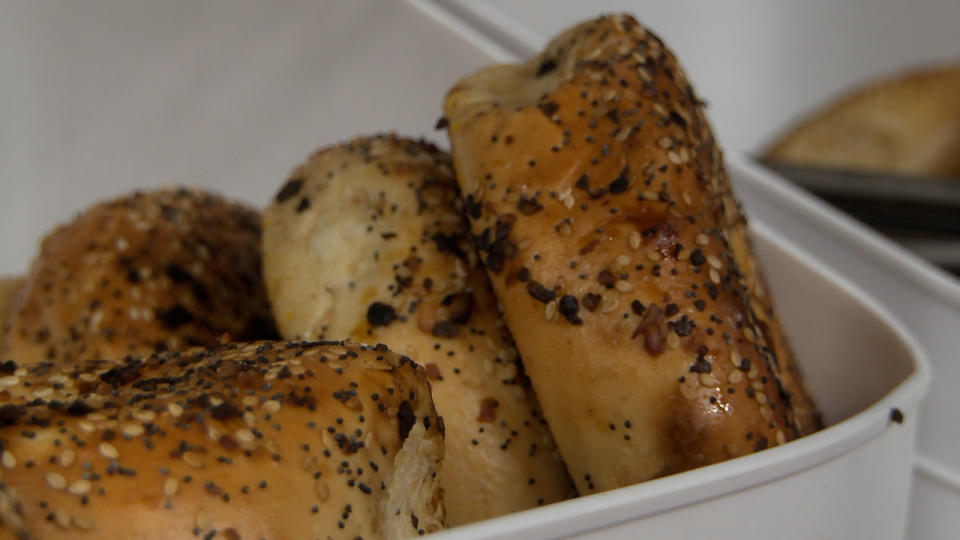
(608, 304)
(653, 255)
(715, 262)
(192, 459)
(145, 415)
(623, 134)
(271, 406)
(56, 481)
(323, 491)
(9, 461)
(108, 451)
(9, 380)
(665, 142)
(686, 198)
(67, 457)
(634, 239)
(707, 379)
(749, 335)
(245, 436)
(86, 427)
(550, 310)
(83, 523)
(170, 486)
(703, 240)
(623, 260)
(62, 518)
(735, 376)
(781, 438)
(765, 412)
(174, 409)
(132, 430)
(761, 398)
(203, 520)
(80, 487)
(623, 286)
(687, 392)
(673, 340)
(674, 157)
(714, 276)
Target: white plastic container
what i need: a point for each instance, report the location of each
(107, 97)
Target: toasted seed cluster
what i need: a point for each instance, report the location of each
(604, 217)
(381, 252)
(148, 272)
(261, 441)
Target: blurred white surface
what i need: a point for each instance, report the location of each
(99, 97)
(762, 63)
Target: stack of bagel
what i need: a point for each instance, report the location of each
(404, 339)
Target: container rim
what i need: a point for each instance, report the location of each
(902, 261)
(654, 496)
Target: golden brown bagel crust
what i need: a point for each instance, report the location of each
(267, 440)
(365, 241)
(908, 123)
(12, 524)
(9, 288)
(618, 253)
(154, 271)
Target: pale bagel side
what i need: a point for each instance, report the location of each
(365, 241)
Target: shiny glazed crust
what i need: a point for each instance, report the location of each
(267, 440)
(364, 241)
(153, 271)
(619, 255)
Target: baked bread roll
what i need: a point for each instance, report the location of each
(152, 271)
(617, 251)
(364, 241)
(908, 123)
(267, 440)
